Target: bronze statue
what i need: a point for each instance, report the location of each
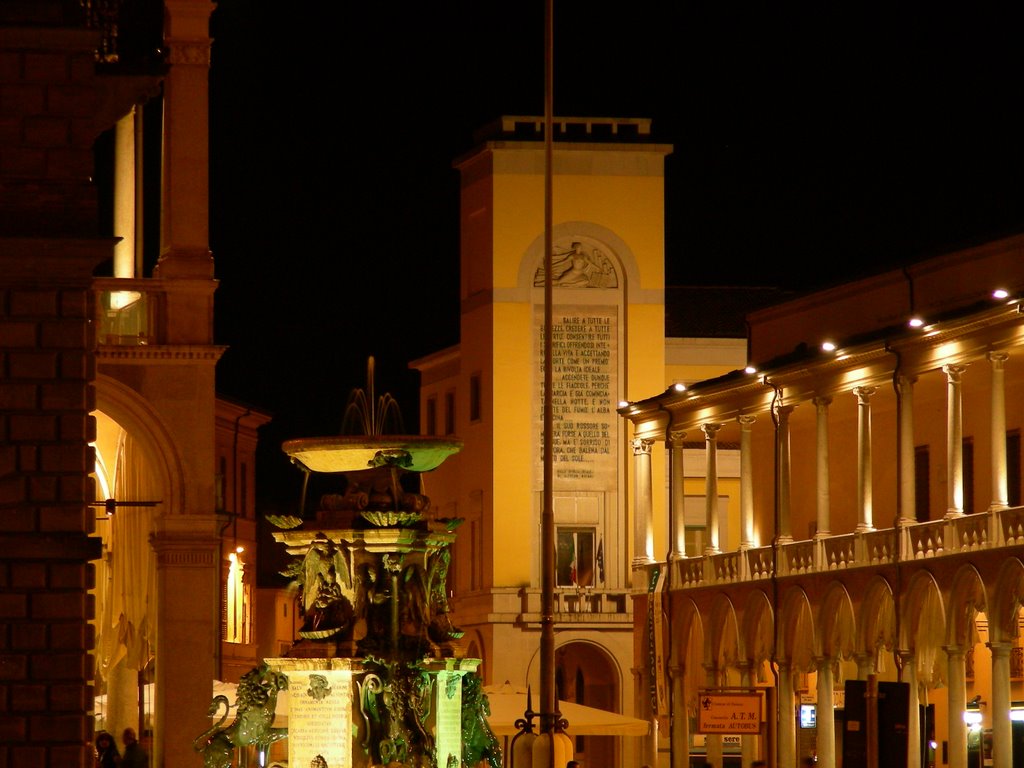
(254, 718)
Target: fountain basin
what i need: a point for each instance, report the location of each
(351, 453)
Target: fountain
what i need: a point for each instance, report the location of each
(377, 677)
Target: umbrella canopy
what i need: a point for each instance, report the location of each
(508, 703)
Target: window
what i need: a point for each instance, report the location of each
(578, 563)
(431, 426)
(474, 397)
(922, 470)
(693, 535)
(449, 412)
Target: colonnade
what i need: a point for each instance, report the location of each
(643, 539)
(954, 504)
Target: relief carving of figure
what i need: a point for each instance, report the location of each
(579, 267)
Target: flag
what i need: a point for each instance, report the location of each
(600, 561)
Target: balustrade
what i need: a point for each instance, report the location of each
(933, 538)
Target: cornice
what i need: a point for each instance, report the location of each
(159, 353)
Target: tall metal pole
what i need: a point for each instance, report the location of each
(547, 606)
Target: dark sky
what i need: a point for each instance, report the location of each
(813, 142)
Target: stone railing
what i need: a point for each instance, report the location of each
(913, 541)
(580, 605)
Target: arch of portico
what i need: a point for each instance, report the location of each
(137, 445)
(721, 652)
(1005, 599)
(794, 655)
(137, 417)
(757, 646)
(687, 673)
(876, 627)
(965, 600)
(834, 641)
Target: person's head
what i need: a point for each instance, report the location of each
(104, 740)
(573, 764)
(128, 737)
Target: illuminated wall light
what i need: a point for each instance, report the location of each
(915, 322)
(973, 719)
(750, 369)
(1017, 715)
(1000, 293)
(679, 386)
(239, 549)
(828, 346)
(623, 403)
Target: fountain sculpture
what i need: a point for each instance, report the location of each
(377, 677)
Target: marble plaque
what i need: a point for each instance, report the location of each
(584, 340)
(448, 718)
(320, 718)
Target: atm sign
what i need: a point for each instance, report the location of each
(729, 713)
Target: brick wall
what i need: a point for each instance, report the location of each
(49, 99)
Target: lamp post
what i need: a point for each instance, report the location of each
(552, 747)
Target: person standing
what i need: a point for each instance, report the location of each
(134, 755)
(107, 755)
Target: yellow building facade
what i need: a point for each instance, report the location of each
(608, 343)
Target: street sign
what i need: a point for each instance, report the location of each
(729, 712)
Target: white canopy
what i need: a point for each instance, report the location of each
(508, 703)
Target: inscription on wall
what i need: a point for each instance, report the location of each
(584, 362)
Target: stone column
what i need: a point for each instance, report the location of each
(824, 526)
(127, 194)
(188, 609)
(954, 442)
(746, 483)
(185, 219)
(643, 523)
(907, 479)
(826, 723)
(957, 701)
(713, 741)
(865, 664)
(680, 728)
(677, 517)
(865, 519)
(748, 742)
(787, 717)
(1000, 491)
(711, 488)
(909, 666)
(1002, 742)
(784, 533)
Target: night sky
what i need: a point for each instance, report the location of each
(813, 142)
